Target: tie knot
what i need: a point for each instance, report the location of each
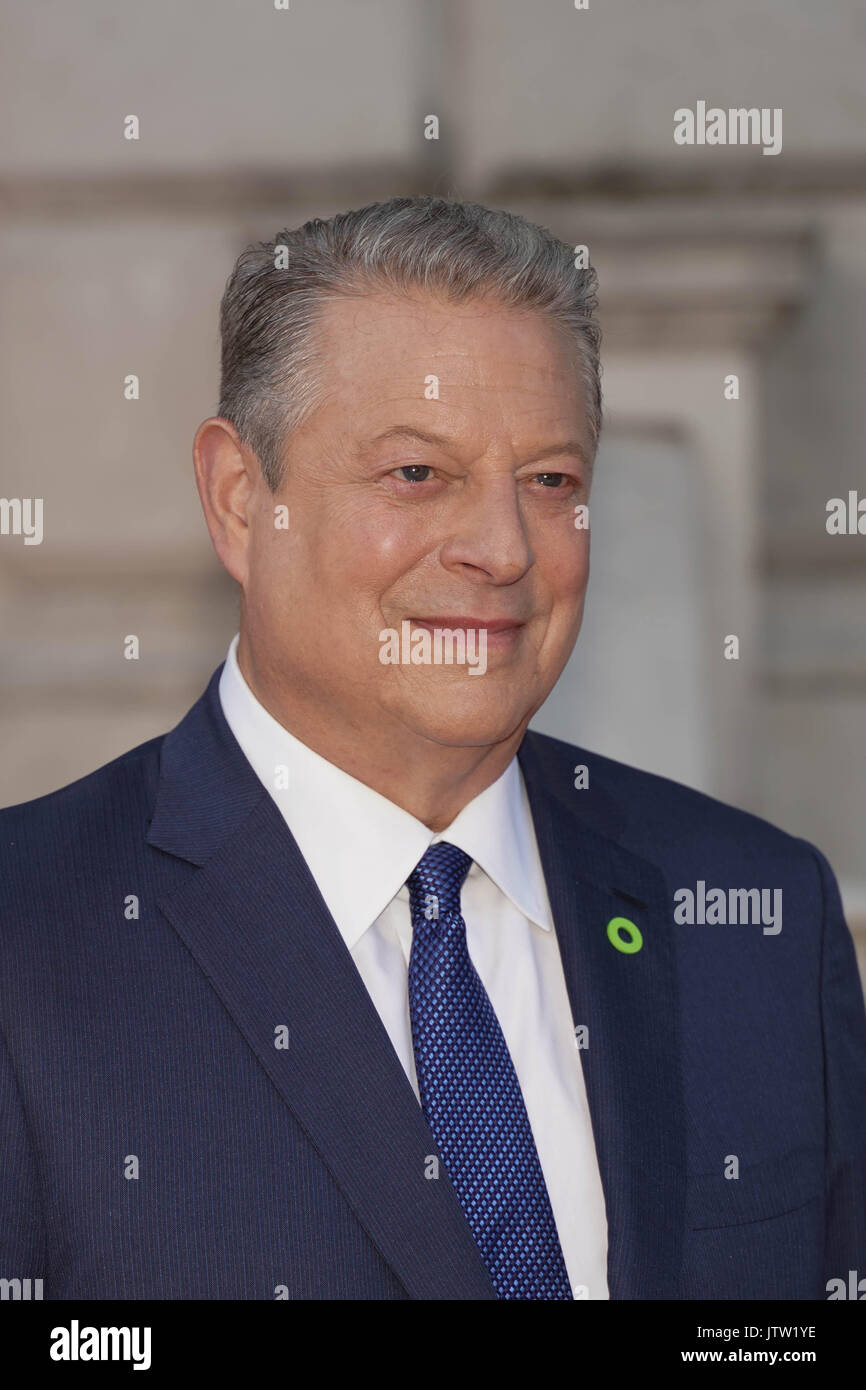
(434, 884)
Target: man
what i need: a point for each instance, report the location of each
(350, 987)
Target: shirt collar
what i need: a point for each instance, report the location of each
(359, 846)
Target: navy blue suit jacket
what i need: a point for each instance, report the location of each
(146, 1045)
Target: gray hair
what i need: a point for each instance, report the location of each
(272, 375)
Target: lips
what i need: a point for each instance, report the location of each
(468, 624)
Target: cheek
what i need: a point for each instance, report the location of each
(565, 568)
(274, 558)
(336, 561)
(370, 553)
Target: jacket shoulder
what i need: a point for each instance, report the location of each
(102, 800)
(658, 810)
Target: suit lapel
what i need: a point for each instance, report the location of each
(629, 1004)
(254, 919)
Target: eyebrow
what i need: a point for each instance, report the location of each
(409, 432)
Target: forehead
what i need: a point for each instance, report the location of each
(487, 357)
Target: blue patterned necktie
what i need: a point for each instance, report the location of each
(470, 1093)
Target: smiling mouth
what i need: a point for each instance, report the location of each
(493, 634)
(490, 625)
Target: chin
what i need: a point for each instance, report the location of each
(469, 727)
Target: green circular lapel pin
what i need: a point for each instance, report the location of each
(624, 935)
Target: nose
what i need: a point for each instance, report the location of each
(489, 542)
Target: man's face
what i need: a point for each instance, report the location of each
(449, 512)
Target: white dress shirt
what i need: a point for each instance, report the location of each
(360, 849)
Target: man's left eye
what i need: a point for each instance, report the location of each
(550, 479)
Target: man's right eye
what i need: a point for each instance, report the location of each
(415, 469)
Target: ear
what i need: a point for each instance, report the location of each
(227, 475)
